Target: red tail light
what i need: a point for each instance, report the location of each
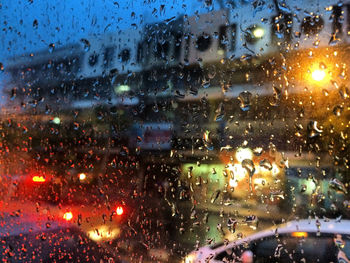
(68, 216)
(38, 179)
(119, 210)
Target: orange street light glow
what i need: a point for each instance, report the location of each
(299, 234)
(318, 74)
(38, 179)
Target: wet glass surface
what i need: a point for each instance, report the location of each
(174, 131)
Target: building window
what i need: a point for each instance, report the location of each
(124, 55)
(162, 49)
(108, 56)
(312, 25)
(203, 42)
(93, 59)
(223, 39)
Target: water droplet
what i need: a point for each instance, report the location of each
(318, 225)
(313, 130)
(249, 129)
(334, 40)
(245, 100)
(303, 188)
(220, 229)
(35, 23)
(51, 47)
(207, 141)
(245, 57)
(316, 43)
(220, 112)
(266, 164)
(173, 210)
(221, 214)
(252, 221)
(344, 92)
(205, 218)
(155, 107)
(278, 251)
(276, 98)
(13, 93)
(208, 3)
(226, 148)
(322, 66)
(337, 110)
(86, 44)
(335, 84)
(249, 166)
(193, 215)
(212, 72)
(258, 151)
(198, 181)
(231, 225)
(277, 194)
(337, 185)
(215, 196)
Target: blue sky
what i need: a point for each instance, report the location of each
(61, 22)
(31, 25)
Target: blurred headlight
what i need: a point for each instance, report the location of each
(190, 258)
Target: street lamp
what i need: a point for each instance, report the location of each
(56, 120)
(244, 153)
(318, 75)
(258, 32)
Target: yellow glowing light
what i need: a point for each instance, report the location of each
(82, 176)
(121, 89)
(262, 170)
(190, 258)
(233, 183)
(56, 120)
(221, 52)
(239, 172)
(244, 153)
(38, 179)
(68, 216)
(275, 170)
(119, 210)
(259, 181)
(318, 74)
(299, 234)
(103, 233)
(258, 32)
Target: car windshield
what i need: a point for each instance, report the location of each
(169, 130)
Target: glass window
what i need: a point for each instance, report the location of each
(163, 131)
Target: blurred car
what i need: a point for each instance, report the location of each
(295, 241)
(37, 238)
